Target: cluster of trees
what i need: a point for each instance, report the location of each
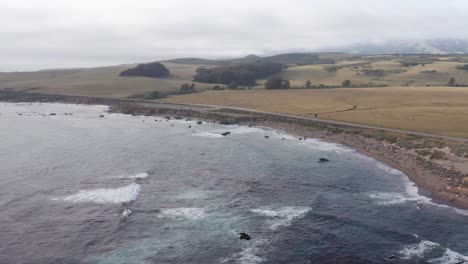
(280, 83)
(276, 83)
(242, 74)
(154, 69)
(187, 88)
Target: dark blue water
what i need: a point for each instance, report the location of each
(77, 188)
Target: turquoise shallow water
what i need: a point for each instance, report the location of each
(78, 188)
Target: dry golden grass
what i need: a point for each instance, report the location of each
(439, 110)
(103, 81)
(435, 74)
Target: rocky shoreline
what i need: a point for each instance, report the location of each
(445, 179)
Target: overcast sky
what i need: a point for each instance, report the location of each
(37, 34)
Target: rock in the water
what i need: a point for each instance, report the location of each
(101, 116)
(226, 133)
(323, 160)
(392, 257)
(199, 122)
(267, 137)
(244, 236)
(52, 114)
(189, 126)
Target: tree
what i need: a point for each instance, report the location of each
(346, 83)
(274, 83)
(286, 84)
(187, 88)
(308, 84)
(154, 69)
(452, 82)
(153, 95)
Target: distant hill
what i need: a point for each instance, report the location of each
(154, 69)
(434, 46)
(288, 58)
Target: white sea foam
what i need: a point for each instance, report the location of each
(390, 198)
(207, 134)
(241, 130)
(143, 175)
(450, 257)
(125, 213)
(118, 195)
(411, 195)
(388, 169)
(418, 250)
(251, 254)
(182, 212)
(326, 146)
(424, 247)
(282, 216)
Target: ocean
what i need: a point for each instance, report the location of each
(80, 185)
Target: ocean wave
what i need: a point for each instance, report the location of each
(282, 216)
(388, 169)
(411, 195)
(391, 198)
(418, 250)
(143, 175)
(426, 247)
(450, 257)
(318, 144)
(124, 194)
(251, 254)
(207, 134)
(182, 212)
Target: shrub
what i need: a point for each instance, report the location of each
(308, 84)
(153, 95)
(187, 88)
(276, 83)
(452, 82)
(218, 88)
(346, 83)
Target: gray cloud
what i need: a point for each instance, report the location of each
(53, 33)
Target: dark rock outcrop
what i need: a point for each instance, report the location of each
(226, 133)
(244, 236)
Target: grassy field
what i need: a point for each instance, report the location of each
(362, 71)
(103, 81)
(409, 101)
(440, 110)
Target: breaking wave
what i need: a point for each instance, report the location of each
(251, 254)
(182, 212)
(426, 247)
(124, 194)
(282, 216)
(207, 134)
(143, 175)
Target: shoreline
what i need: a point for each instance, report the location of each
(442, 182)
(421, 177)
